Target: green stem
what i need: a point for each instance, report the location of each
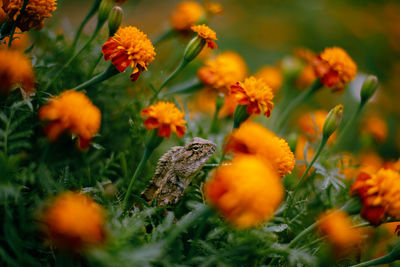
(388, 258)
(25, 3)
(219, 101)
(164, 36)
(181, 66)
(303, 233)
(92, 69)
(184, 88)
(297, 101)
(89, 15)
(138, 171)
(109, 72)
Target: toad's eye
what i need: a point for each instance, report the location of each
(195, 148)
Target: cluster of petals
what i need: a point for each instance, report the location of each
(376, 127)
(129, 47)
(379, 193)
(33, 15)
(254, 93)
(335, 68)
(15, 70)
(165, 117)
(204, 32)
(74, 221)
(253, 139)
(246, 192)
(272, 76)
(71, 112)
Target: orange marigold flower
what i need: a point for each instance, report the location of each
(72, 111)
(380, 194)
(223, 71)
(2, 13)
(214, 8)
(186, 14)
(247, 192)
(272, 76)
(74, 221)
(375, 126)
(166, 117)
(253, 139)
(254, 93)
(339, 230)
(15, 70)
(335, 68)
(311, 124)
(306, 78)
(34, 14)
(207, 34)
(129, 47)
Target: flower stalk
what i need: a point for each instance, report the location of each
(108, 73)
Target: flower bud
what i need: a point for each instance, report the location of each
(332, 121)
(368, 88)
(291, 67)
(292, 141)
(104, 11)
(114, 20)
(240, 115)
(194, 48)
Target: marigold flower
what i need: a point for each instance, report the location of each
(338, 228)
(15, 70)
(311, 125)
(272, 76)
(306, 78)
(253, 139)
(335, 68)
(375, 126)
(2, 13)
(207, 34)
(247, 192)
(380, 194)
(74, 221)
(214, 8)
(166, 117)
(34, 14)
(72, 111)
(129, 47)
(186, 14)
(254, 93)
(223, 71)
(370, 162)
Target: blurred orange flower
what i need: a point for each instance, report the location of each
(247, 192)
(186, 14)
(34, 14)
(272, 76)
(20, 41)
(375, 126)
(74, 221)
(254, 93)
(72, 111)
(338, 228)
(312, 123)
(214, 8)
(207, 34)
(166, 117)
(230, 104)
(15, 70)
(129, 47)
(335, 68)
(253, 139)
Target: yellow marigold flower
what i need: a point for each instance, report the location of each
(15, 70)
(254, 93)
(72, 111)
(186, 14)
(311, 125)
(380, 194)
(223, 71)
(247, 192)
(166, 117)
(335, 68)
(272, 77)
(253, 139)
(74, 221)
(34, 14)
(339, 230)
(207, 34)
(129, 47)
(375, 126)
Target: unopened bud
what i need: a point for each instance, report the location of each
(332, 121)
(104, 10)
(291, 67)
(194, 48)
(368, 88)
(115, 20)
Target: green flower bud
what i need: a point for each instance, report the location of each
(291, 67)
(115, 20)
(194, 48)
(292, 141)
(104, 11)
(240, 115)
(368, 88)
(332, 121)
